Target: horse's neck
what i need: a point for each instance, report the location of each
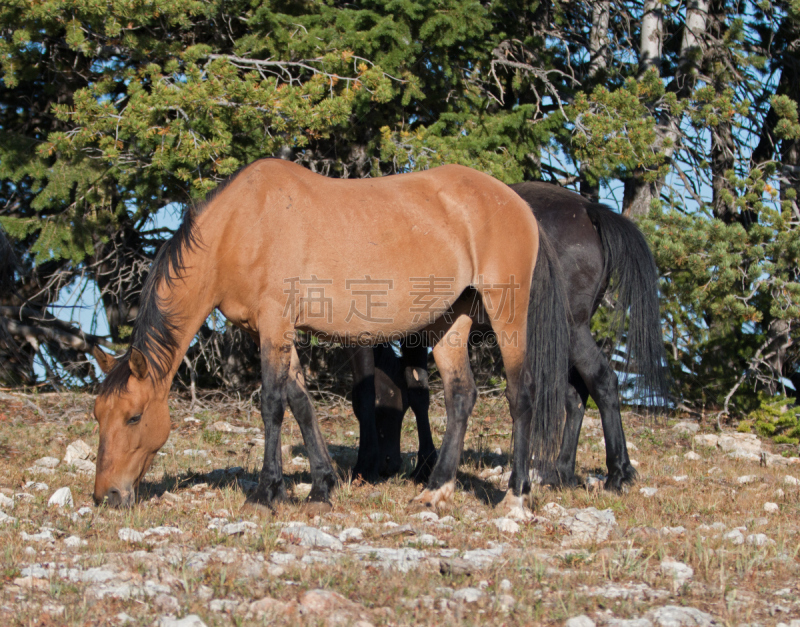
(190, 298)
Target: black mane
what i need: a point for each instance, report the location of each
(155, 331)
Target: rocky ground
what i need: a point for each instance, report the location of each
(709, 535)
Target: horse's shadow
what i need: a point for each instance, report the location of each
(246, 480)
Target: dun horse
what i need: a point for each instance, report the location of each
(594, 245)
(281, 249)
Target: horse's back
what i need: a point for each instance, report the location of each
(563, 217)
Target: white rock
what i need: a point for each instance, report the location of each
(675, 616)
(232, 529)
(648, 492)
(691, 456)
(771, 508)
(5, 518)
(506, 525)
(745, 479)
(588, 525)
(735, 536)
(779, 493)
(468, 595)
(680, 478)
(62, 498)
(745, 455)
(351, 534)
(78, 450)
(6, 502)
(758, 539)
(707, 439)
(673, 531)
(192, 620)
(554, 510)
(432, 516)
(505, 585)
(686, 426)
(130, 535)
(634, 463)
(162, 531)
(74, 542)
(84, 466)
(427, 539)
(679, 571)
(790, 480)
(45, 535)
(37, 486)
(312, 537)
(580, 621)
(190, 452)
(748, 442)
(631, 622)
(46, 462)
(378, 516)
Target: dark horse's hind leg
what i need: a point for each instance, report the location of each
(368, 462)
(415, 360)
(576, 405)
(602, 384)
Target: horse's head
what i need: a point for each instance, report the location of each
(134, 423)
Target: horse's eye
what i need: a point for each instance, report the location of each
(134, 420)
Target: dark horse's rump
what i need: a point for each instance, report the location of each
(593, 245)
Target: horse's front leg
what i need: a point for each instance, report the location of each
(368, 462)
(275, 361)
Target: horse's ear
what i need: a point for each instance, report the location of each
(104, 360)
(138, 364)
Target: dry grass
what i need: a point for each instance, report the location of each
(549, 583)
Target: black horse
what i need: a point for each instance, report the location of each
(595, 246)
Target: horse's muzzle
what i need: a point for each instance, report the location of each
(115, 497)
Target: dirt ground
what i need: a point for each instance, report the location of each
(708, 535)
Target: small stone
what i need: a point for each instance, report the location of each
(579, 621)
(378, 516)
(779, 493)
(771, 508)
(554, 510)
(36, 486)
(46, 462)
(427, 539)
(192, 620)
(680, 478)
(588, 525)
(506, 602)
(648, 492)
(232, 529)
(634, 463)
(351, 534)
(312, 537)
(745, 479)
(162, 531)
(505, 585)
(735, 537)
(686, 426)
(166, 603)
(758, 539)
(222, 427)
(130, 535)
(691, 456)
(468, 595)
(6, 502)
(506, 525)
(84, 466)
(77, 450)
(594, 484)
(43, 536)
(675, 616)
(790, 480)
(431, 516)
(62, 498)
(74, 542)
(680, 572)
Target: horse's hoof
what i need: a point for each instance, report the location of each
(366, 474)
(316, 508)
(515, 507)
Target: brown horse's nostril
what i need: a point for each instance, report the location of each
(114, 498)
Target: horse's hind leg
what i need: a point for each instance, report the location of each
(415, 360)
(576, 397)
(368, 462)
(323, 477)
(604, 389)
(460, 394)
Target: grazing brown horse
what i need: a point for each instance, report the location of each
(593, 245)
(280, 249)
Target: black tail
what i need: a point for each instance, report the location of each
(633, 273)
(7, 261)
(548, 353)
